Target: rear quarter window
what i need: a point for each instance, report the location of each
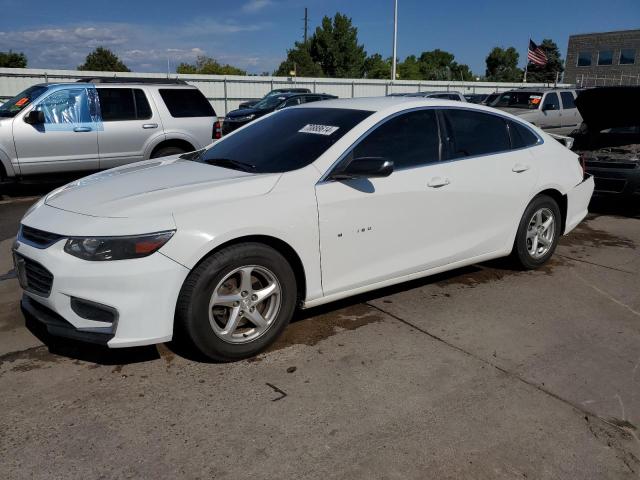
(184, 103)
(521, 136)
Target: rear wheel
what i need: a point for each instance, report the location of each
(167, 151)
(538, 233)
(237, 302)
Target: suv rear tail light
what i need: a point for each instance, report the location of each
(217, 130)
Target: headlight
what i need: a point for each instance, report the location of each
(116, 248)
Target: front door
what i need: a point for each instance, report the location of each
(68, 139)
(551, 113)
(381, 228)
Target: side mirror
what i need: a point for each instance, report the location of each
(365, 167)
(34, 117)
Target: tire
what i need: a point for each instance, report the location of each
(205, 323)
(167, 151)
(529, 251)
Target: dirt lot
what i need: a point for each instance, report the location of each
(483, 373)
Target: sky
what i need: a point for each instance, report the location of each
(255, 34)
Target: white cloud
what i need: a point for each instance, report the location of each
(139, 46)
(253, 6)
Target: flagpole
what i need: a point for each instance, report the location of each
(526, 65)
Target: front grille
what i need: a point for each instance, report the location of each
(612, 185)
(615, 165)
(39, 279)
(37, 238)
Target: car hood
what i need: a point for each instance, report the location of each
(243, 112)
(609, 107)
(518, 112)
(157, 188)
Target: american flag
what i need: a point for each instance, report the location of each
(536, 55)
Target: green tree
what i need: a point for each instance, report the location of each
(436, 65)
(103, 60)
(209, 66)
(377, 67)
(299, 59)
(13, 60)
(502, 65)
(410, 69)
(335, 46)
(547, 73)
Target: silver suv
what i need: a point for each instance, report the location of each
(553, 109)
(96, 124)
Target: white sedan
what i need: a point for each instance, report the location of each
(303, 207)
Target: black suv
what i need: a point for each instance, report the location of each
(277, 91)
(237, 118)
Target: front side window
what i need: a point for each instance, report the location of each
(627, 56)
(551, 102)
(473, 133)
(567, 100)
(605, 57)
(584, 59)
(409, 140)
(186, 102)
(68, 107)
(303, 134)
(519, 99)
(12, 107)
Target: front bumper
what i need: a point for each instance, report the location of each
(616, 178)
(142, 293)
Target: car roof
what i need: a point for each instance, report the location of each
(376, 104)
(160, 83)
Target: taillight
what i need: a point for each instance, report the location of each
(217, 130)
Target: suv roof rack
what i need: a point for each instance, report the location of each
(157, 81)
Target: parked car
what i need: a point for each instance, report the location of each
(98, 123)
(609, 139)
(238, 118)
(476, 97)
(491, 99)
(306, 206)
(435, 94)
(553, 110)
(277, 91)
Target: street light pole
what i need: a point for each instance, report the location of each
(395, 40)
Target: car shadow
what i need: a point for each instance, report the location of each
(628, 206)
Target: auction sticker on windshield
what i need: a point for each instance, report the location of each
(318, 129)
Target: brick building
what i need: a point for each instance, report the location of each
(598, 59)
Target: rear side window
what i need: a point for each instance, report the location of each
(183, 102)
(120, 104)
(521, 136)
(410, 139)
(475, 133)
(567, 100)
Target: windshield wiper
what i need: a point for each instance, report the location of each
(232, 164)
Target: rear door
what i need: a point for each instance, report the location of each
(67, 140)
(130, 126)
(550, 113)
(571, 118)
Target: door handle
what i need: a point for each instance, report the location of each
(82, 129)
(437, 182)
(519, 168)
(150, 125)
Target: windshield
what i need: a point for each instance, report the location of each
(14, 106)
(528, 100)
(271, 101)
(303, 135)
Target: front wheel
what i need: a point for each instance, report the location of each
(237, 302)
(538, 233)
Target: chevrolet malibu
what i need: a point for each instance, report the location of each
(305, 206)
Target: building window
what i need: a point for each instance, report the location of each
(605, 57)
(627, 56)
(584, 59)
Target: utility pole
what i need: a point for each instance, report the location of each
(395, 41)
(306, 23)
